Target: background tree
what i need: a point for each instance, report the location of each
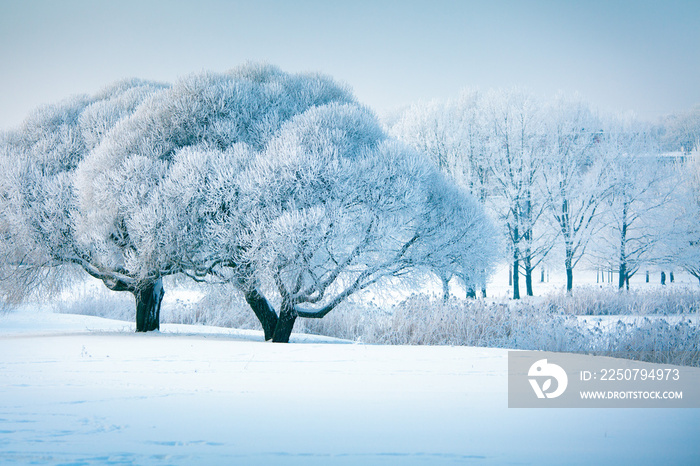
(453, 133)
(681, 237)
(681, 131)
(574, 173)
(640, 188)
(516, 146)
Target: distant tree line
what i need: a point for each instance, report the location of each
(564, 182)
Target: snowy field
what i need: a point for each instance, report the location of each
(84, 390)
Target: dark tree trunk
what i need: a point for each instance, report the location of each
(527, 236)
(623, 275)
(510, 274)
(516, 263)
(482, 280)
(148, 298)
(285, 323)
(445, 288)
(568, 264)
(263, 311)
(516, 278)
(471, 292)
(528, 277)
(623, 256)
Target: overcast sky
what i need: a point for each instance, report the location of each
(634, 55)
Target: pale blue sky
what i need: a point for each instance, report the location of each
(634, 55)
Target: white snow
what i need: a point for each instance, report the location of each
(84, 390)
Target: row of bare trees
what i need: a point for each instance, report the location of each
(564, 181)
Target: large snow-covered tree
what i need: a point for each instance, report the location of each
(326, 208)
(332, 206)
(134, 215)
(37, 164)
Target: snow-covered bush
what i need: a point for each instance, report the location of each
(592, 301)
(652, 341)
(424, 320)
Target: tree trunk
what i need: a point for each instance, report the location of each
(623, 275)
(471, 292)
(510, 274)
(445, 287)
(482, 280)
(527, 236)
(263, 311)
(285, 323)
(516, 263)
(528, 277)
(148, 298)
(623, 244)
(516, 278)
(568, 264)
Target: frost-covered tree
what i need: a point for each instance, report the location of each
(682, 131)
(453, 133)
(328, 208)
(574, 172)
(37, 164)
(516, 148)
(141, 207)
(640, 189)
(681, 238)
(332, 207)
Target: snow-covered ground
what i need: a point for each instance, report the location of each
(84, 390)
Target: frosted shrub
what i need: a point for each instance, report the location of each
(655, 341)
(221, 307)
(422, 320)
(605, 301)
(100, 302)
